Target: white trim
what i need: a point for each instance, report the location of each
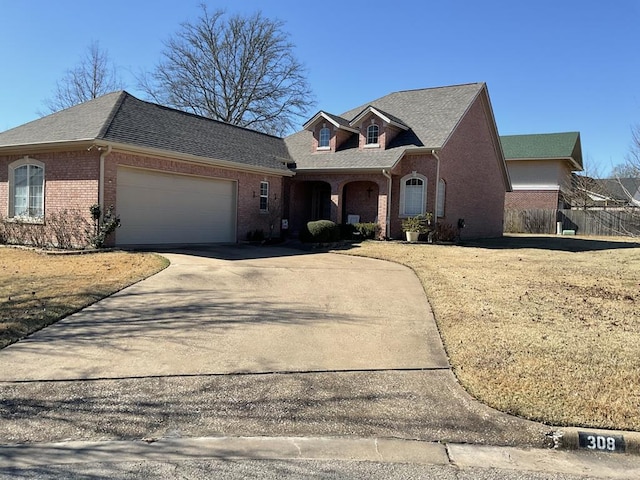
(554, 188)
(366, 137)
(328, 130)
(265, 196)
(13, 166)
(403, 181)
(441, 199)
(322, 114)
(378, 114)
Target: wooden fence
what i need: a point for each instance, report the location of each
(625, 222)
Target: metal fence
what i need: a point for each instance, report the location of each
(606, 222)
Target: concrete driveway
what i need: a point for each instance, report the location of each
(242, 309)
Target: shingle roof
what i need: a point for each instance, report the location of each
(622, 189)
(81, 122)
(543, 146)
(431, 114)
(122, 118)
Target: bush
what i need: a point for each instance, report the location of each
(102, 227)
(368, 230)
(419, 223)
(445, 232)
(321, 231)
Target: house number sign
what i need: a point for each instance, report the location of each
(601, 443)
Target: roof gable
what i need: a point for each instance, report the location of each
(431, 115)
(388, 118)
(335, 120)
(564, 145)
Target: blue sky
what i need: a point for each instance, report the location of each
(550, 65)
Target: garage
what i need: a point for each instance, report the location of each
(158, 208)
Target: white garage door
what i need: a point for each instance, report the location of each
(159, 208)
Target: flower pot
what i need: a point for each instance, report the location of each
(412, 236)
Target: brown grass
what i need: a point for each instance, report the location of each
(37, 289)
(543, 327)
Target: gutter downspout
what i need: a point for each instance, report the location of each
(435, 210)
(388, 219)
(103, 155)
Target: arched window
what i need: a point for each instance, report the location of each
(372, 134)
(26, 188)
(413, 194)
(325, 135)
(442, 194)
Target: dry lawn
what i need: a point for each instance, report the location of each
(547, 328)
(37, 289)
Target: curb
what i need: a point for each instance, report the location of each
(597, 440)
(465, 457)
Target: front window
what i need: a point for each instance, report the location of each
(442, 194)
(325, 134)
(26, 179)
(413, 191)
(372, 135)
(264, 196)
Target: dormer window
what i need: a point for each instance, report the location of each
(323, 139)
(372, 134)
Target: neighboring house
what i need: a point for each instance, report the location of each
(605, 193)
(540, 167)
(432, 150)
(173, 177)
(178, 178)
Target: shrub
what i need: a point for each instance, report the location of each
(66, 228)
(322, 231)
(102, 227)
(419, 223)
(445, 232)
(367, 230)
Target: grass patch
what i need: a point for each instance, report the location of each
(37, 289)
(547, 328)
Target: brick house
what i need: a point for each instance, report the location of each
(431, 150)
(173, 177)
(540, 167)
(177, 178)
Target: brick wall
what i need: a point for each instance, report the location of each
(531, 199)
(358, 200)
(422, 164)
(475, 186)
(70, 188)
(71, 180)
(249, 217)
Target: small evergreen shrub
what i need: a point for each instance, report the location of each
(102, 227)
(367, 230)
(323, 231)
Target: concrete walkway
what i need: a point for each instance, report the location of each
(245, 341)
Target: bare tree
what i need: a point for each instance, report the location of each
(632, 164)
(94, 76)
(240, 70)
